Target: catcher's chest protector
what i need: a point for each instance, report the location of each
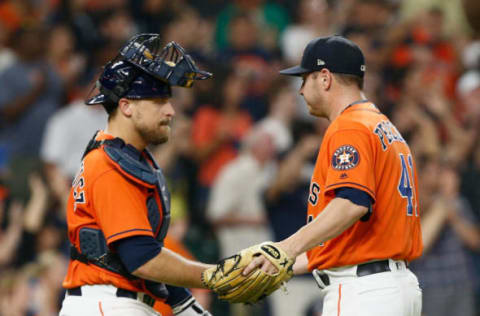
(146, 175)
(93, 246)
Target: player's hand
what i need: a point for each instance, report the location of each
(263, 263)
(260, 262)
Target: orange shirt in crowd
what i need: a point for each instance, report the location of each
(205, 128)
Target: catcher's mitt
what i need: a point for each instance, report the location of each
(227, 281)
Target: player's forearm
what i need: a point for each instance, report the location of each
(301, 264)
(171, 268)
(338, 215)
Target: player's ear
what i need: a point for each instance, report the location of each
(325, 78)
(125, 106)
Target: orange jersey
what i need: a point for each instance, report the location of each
(362, 149)
(104, 198)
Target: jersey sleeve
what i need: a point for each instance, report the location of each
(350, 162)
(120, 207)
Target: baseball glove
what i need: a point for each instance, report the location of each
(227, 281)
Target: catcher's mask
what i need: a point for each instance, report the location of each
(143, 69)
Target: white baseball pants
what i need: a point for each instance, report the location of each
(392, 293)
(101, 300)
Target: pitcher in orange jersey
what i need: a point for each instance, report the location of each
(363, 225)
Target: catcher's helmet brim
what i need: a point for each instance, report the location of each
(295, 71)
(98, 99)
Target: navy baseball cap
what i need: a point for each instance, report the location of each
(335, 53)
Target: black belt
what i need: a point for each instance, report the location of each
(147, 299)
(363, 270)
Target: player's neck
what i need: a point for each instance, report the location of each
(127, 133)
(342, 100)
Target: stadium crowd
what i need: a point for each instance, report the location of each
(243, 145)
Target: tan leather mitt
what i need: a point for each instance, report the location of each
(227, 281)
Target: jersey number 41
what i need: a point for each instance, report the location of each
(406, 185)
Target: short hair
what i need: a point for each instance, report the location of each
(347, 79)
(109, 106)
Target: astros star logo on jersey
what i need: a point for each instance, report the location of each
(345, 157)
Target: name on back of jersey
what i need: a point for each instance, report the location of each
(78, 185)
(387, 134)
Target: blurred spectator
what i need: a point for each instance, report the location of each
(95, 5)
(116, 25)
(74, 14)
(449, 228)
(11, 227)
(286, 204)
(11, 305)
(7, 56)
(424, 44)
(468, 93)
(371, 15)
(30, 91)
(470, 175)
(270, 18)
(61, 155)
(245, 54)
(235, 207)
(40, 281)
(191, 31)
(314, 19)
(62, 56)
(38, 234)
(152, 16)
(471, 55)
(281, 114)
(209, 8)
(460, 16)
(217, 132)
(13, 13)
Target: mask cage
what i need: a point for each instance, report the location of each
(170, 64)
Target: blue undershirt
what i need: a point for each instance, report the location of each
(358, 197)
(136, 251)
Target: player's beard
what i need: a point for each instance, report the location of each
(155, 135)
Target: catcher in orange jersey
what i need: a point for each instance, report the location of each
(119, 206)
(363, 218)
